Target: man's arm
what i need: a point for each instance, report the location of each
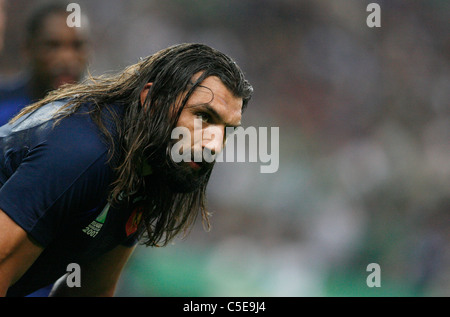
(17, 252)
(98, 278)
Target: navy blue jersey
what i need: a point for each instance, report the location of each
(55, 181)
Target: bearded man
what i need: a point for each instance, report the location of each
(86, 173)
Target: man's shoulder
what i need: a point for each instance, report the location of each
(75, 136)
(78, 135)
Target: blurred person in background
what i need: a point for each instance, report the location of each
(56, 54)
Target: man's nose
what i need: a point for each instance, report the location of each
(213, 139)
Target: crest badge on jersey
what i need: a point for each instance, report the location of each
(134, 220)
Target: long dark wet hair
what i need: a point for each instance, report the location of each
(144, 131)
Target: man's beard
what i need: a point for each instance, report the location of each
(181, 177)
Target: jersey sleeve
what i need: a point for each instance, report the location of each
(55, 179)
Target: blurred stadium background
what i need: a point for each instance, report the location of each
(364, 117)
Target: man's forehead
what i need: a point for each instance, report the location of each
(215, 88)
(55, 26)
(213, 92)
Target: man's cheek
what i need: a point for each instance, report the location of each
(181, 149)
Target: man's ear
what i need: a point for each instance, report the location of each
(144, 93)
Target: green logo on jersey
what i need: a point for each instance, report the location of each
(95, 226)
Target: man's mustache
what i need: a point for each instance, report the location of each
(204, 158)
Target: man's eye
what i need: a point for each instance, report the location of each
(203, 116)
